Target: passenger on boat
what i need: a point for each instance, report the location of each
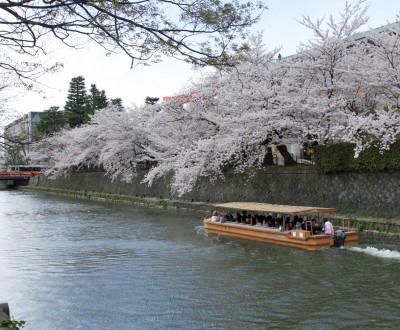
(228, 217)
(287, 223)
(316, 227)
(254, 219)
(328, 228)
(244, 217)
(259, 221)
(215, 217)
(270, 221)
(291, 225)
(299, 223)
(248, 219)
(238, 217)
(303, 226)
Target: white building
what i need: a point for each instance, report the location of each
(19, 135)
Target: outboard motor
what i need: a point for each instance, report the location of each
(340, 237)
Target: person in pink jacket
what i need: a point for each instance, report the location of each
(328, 228)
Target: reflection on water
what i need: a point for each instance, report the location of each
(71, 264)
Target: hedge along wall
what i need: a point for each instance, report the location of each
(339, 157)
(374, 194)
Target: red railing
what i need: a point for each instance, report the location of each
(13, 175)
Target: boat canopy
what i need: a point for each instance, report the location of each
(274, 208)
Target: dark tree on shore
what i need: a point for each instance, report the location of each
(117, 102)
(51, 120)
(151, 100)
(96, 99)
(77, 107)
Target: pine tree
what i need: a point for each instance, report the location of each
(151, 100)
(76, 107)
(97, 99)
(117, 102)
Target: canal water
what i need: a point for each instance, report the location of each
(76, 264)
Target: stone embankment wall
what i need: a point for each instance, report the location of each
(354, 195)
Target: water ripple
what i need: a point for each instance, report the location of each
(106, 266)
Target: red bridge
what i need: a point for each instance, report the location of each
(18, 175)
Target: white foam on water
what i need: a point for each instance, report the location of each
(199, 229)
(381, 253)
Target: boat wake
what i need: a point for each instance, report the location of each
(380, 253)
(199, 230)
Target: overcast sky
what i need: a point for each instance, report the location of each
(113, 74)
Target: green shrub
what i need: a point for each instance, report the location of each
(12, 324)
(163, 203)
(339, 157)
(333, 158)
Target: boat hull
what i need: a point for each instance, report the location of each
(301, 239)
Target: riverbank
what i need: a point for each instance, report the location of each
(375, 195)
(368, 226)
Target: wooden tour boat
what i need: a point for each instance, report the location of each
(304, 239)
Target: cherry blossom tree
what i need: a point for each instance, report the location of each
(342, 85)
(321, 85)
(225, 123)
(114, 140)
(377, 121)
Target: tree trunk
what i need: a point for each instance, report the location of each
(286, 155)
(268, 158)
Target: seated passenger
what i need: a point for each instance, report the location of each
(244, 217)
(248, 219)
(302, 224)
(316, 227)
(238, 217)
(215, 217)
(299, 223)
(287, 223)
(291, 225)
(259, 221)
(253, 219)
(227, 217)
(270, 221)
(279, 223)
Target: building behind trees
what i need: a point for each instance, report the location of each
(18, 136)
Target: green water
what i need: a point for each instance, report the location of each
(73, 264)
